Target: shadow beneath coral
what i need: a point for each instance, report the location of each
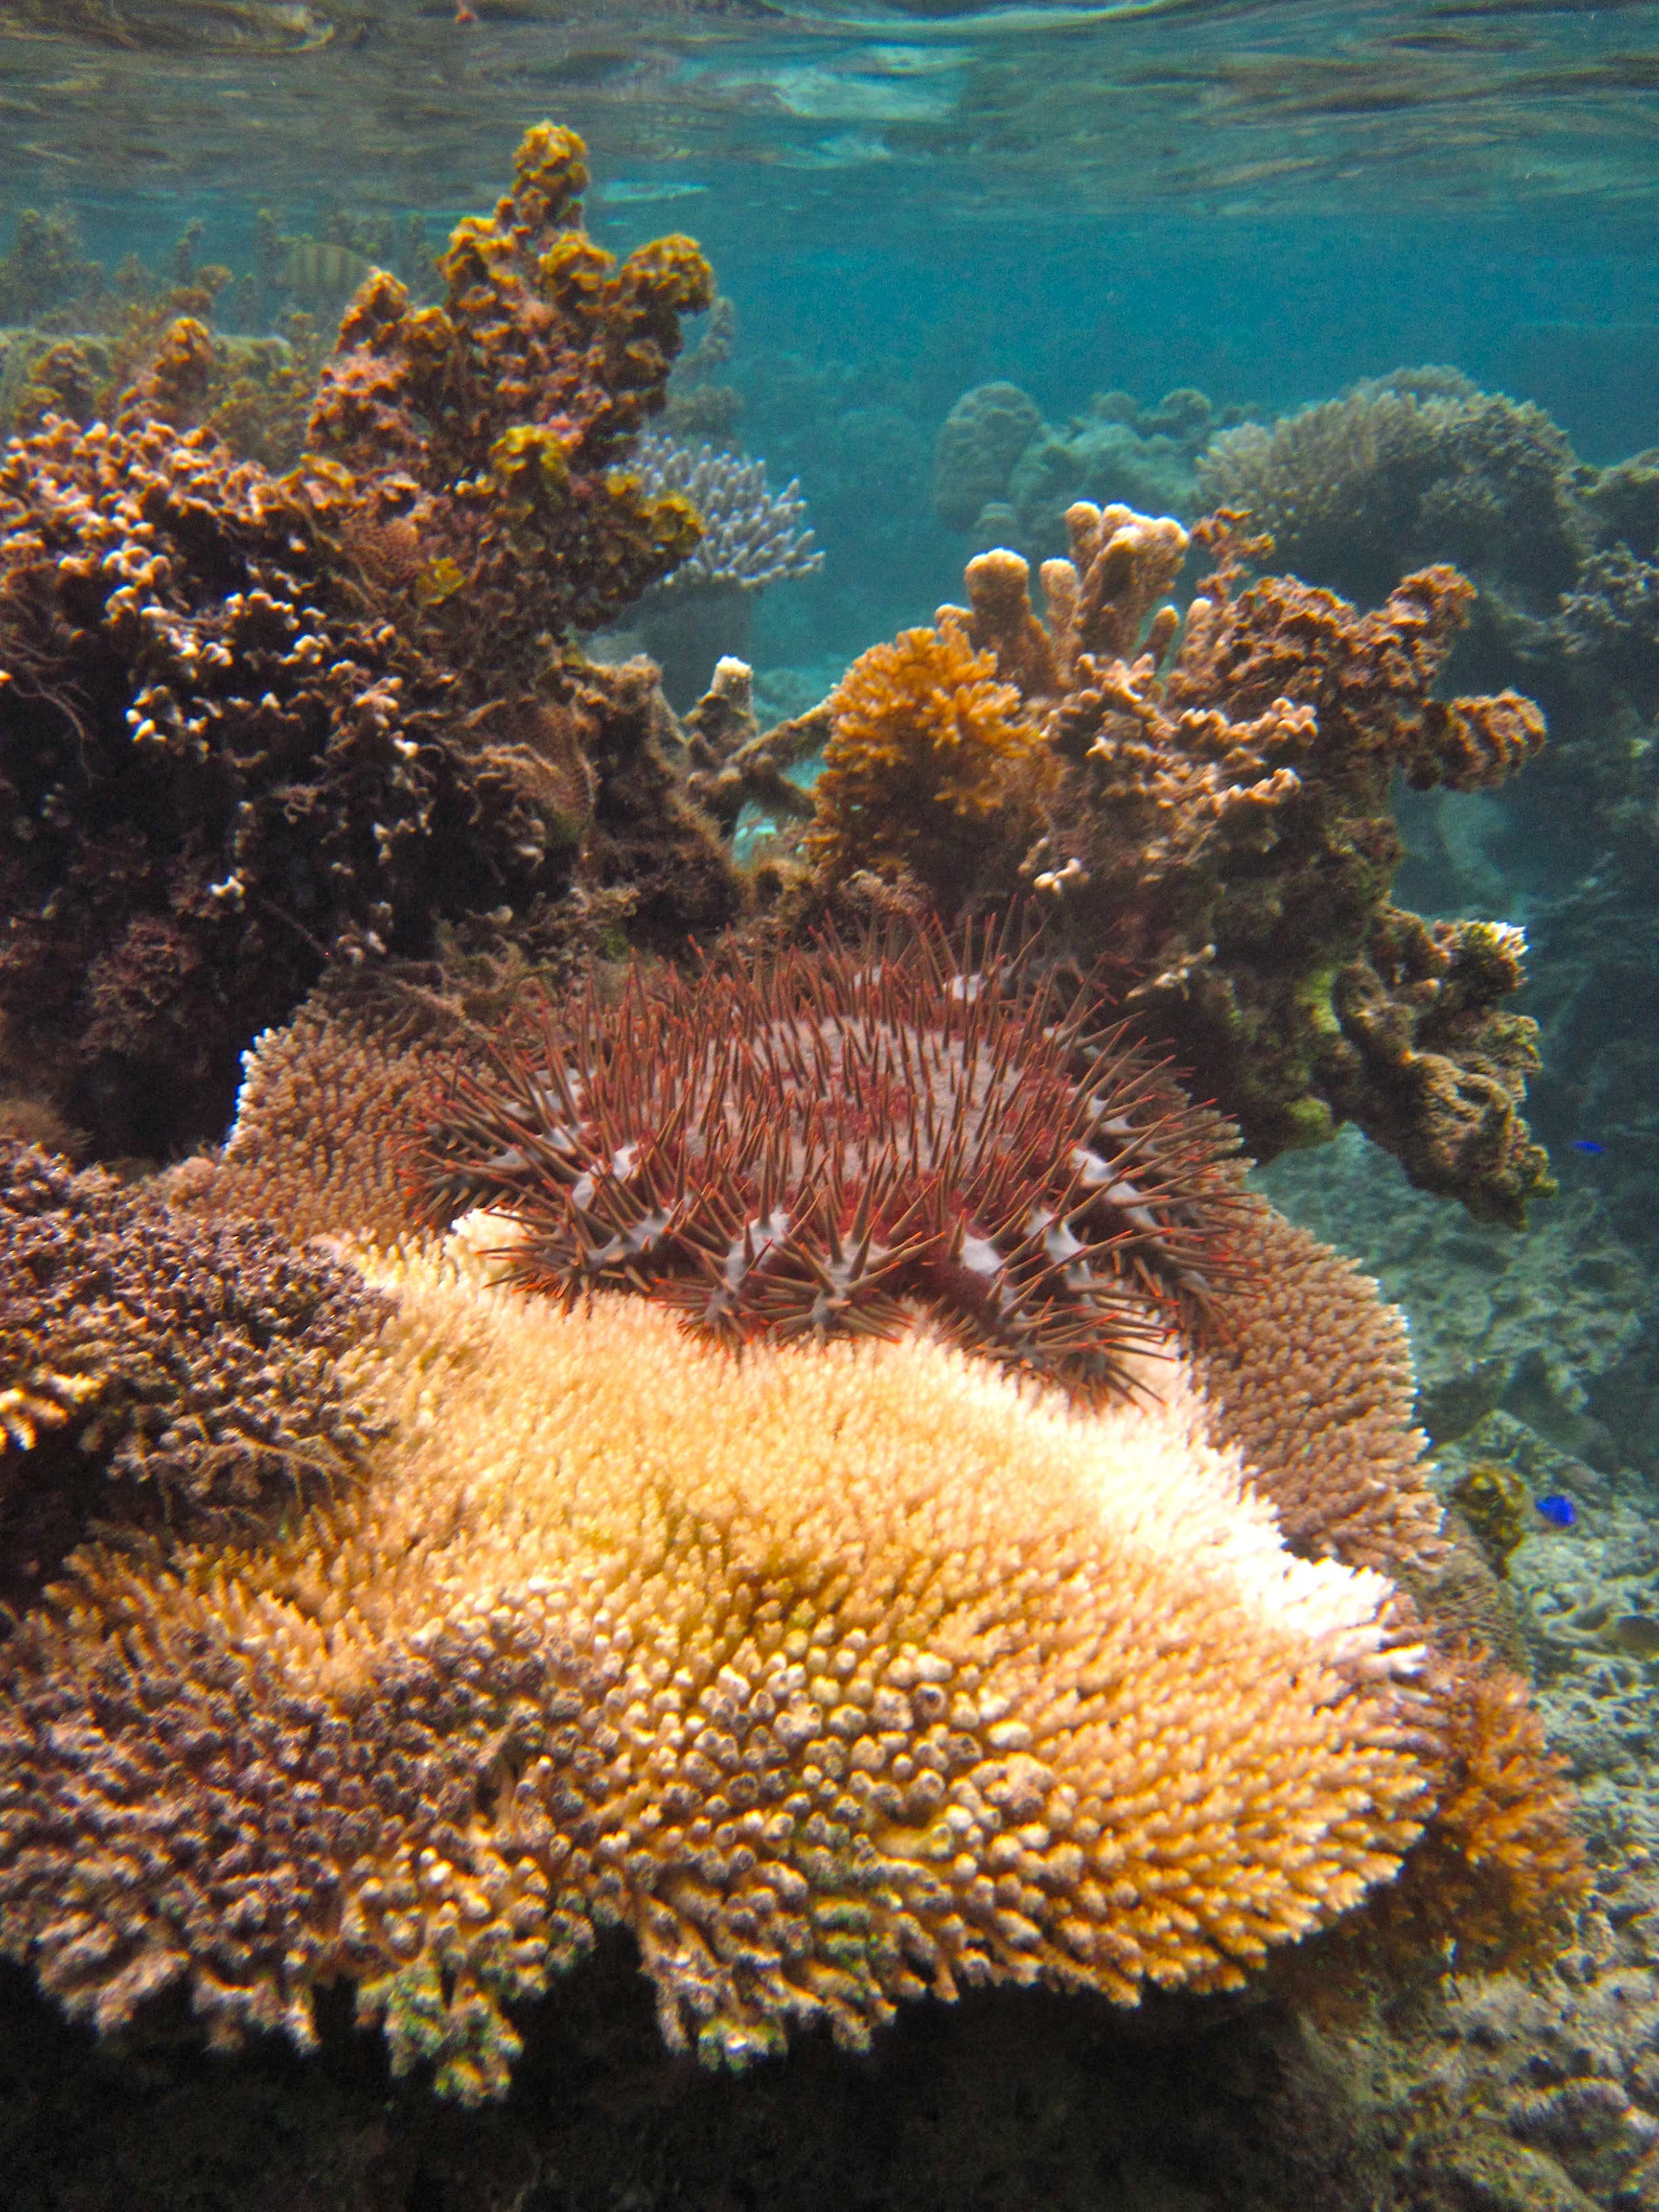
(1003, 2102)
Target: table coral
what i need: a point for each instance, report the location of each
(835, 1676)
(1211, 802)
(159, 1371)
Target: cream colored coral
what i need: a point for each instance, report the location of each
(836, 1675)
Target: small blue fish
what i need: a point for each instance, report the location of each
(1586, 1145)
(1560, 1512)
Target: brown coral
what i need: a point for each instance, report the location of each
(249, 724)
(494, 430)
(156, 1370)
(1213, 798)
(835, 1676)
(1500, 1872)
(1414, 467)
(1308, 1373)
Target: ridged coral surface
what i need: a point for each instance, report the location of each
(835, 1675)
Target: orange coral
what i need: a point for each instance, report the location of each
(1210, 804)
(1500, 1871)
(836, 1676)
(929, 760)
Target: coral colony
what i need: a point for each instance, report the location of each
(799, 1447)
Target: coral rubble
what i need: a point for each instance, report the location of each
(1207, 800)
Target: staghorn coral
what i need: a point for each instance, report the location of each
(930, 759)
(1211, 801)
(156, 1370)
(833, 1676)
(475, 452)
(835, 1141)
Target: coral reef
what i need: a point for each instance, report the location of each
(1310, 1375)
(979, 442)
(158, 1371)
(1210, 804)
(477, 446)
(1405, 470)
(930, 759)
(254, 723)
(1003, 473)
(839, 1140)
(747, 1658)
(751, 536)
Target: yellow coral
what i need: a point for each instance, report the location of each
(930, 756)
(836, 1676)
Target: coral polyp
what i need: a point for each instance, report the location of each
(843, 1141)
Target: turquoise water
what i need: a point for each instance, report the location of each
(1170, 227)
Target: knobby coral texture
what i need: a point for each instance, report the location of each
(159, 1371)
(836, 1673)
(1205, 799)
(244, 726)
(831, 1140)
(480, 444)
(815, 1672)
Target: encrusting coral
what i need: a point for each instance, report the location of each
(158, 1371)
(1207, 800)
(245, 729)
(832, 1141)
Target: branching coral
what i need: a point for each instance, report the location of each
(1210, 804)
(157, 1371)
(245, 729)
(835, 1677)
(840, 1140)
(751, 535)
